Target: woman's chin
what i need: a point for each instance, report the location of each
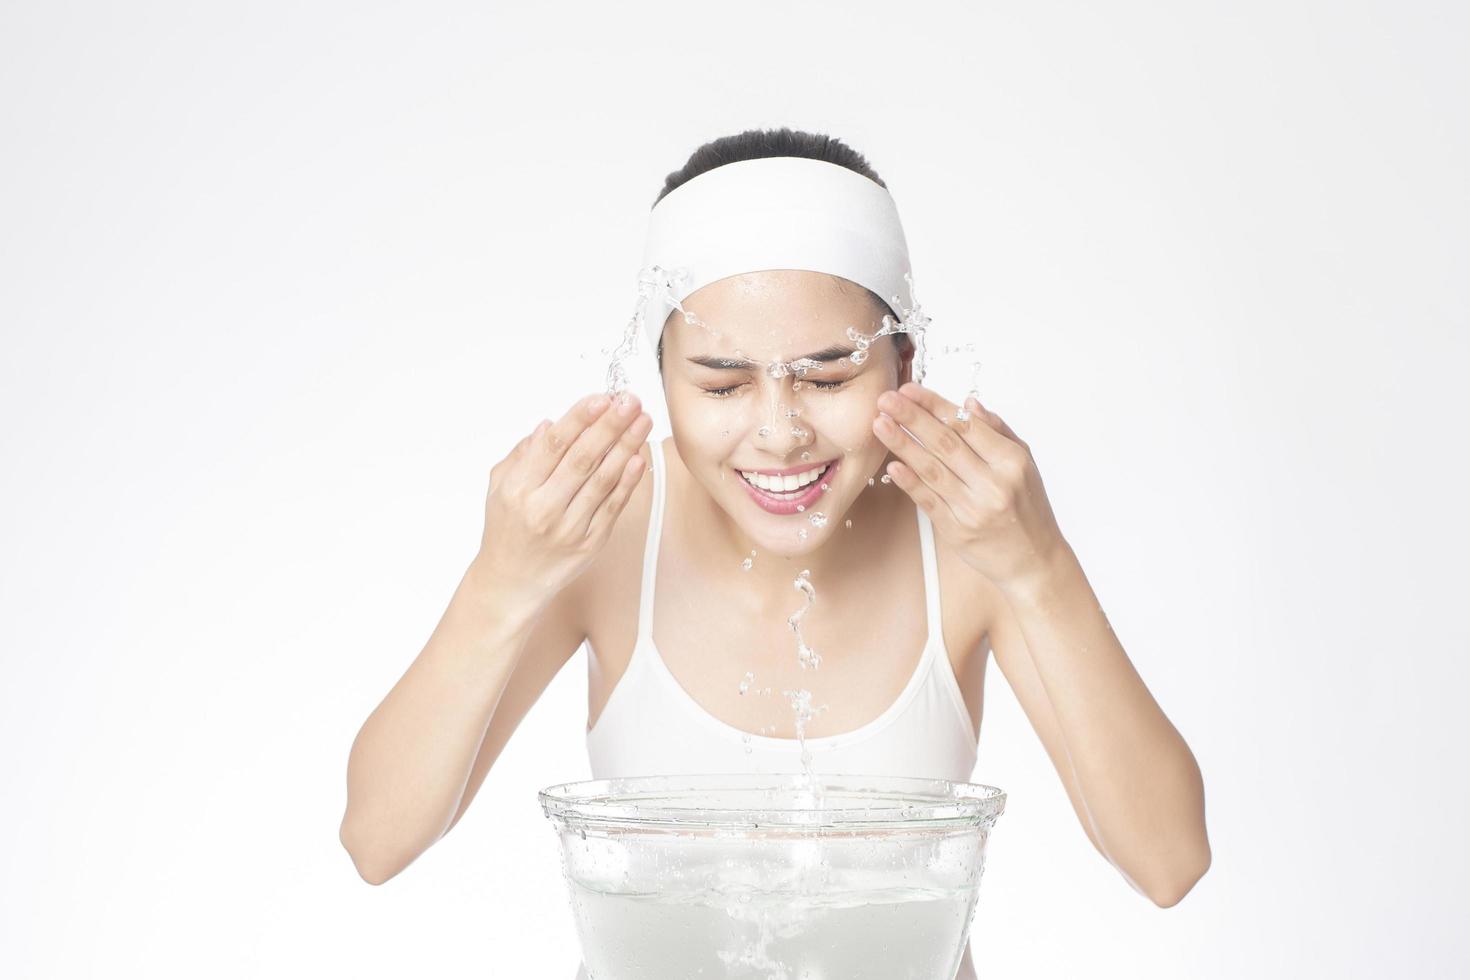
(788, 535)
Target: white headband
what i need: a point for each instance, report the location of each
(772, 213)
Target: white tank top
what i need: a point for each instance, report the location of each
(652, 726)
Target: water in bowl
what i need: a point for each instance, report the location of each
(860, 930)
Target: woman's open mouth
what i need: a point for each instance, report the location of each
(791, 493)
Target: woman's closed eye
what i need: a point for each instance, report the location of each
(819, 385)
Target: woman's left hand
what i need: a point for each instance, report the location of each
(975, 479)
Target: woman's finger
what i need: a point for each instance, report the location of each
(944, 443)
(989, 442)
(605, 515)
(996, 422)
(921, 461)
(926, 499)
(547, 449)
(601, 483)
(584, 455)
(1007, 451)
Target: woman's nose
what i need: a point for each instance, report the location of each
(782, 430)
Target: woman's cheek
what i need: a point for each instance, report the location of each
(703, 419)
(843, 418)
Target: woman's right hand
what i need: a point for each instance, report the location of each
(554, 499)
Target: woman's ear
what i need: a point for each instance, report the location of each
(905, 360)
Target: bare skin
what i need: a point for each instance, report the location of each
(866, 661)
(533, 595)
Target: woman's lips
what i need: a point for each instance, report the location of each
(789, 504)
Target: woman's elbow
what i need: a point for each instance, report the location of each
(1171, 891)
(369, 868)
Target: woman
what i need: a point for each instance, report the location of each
(802, 450)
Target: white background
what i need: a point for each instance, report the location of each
(282, 281)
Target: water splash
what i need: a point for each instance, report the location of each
(658, 283)
(617, 376)
(805, 655)
(963, 413)
(914, 322)
(655, 283)
(801, 703)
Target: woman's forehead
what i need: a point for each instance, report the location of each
(774, 314)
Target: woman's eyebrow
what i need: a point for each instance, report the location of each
(835, 352)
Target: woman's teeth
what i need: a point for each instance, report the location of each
(784, 484)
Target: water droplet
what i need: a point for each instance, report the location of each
(871, 481)
(746, 564)
(763, 431)
(805, 456)
(745, 683)
(887, 478)
(849, 522)
(800, 508)
(801, 533)
(825, 488)
(817, 518)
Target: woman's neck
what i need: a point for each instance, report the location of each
(718, 540)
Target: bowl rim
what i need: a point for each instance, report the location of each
(903, 803)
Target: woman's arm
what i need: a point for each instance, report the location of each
(552, 503)
(411, 762)
(1132, 776)
(1139, 783)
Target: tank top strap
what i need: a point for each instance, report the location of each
(650, 549)
(931, 583)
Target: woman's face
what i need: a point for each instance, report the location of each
(732, 419)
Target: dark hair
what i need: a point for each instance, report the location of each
(756, 144)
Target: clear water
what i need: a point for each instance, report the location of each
(740, 932)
